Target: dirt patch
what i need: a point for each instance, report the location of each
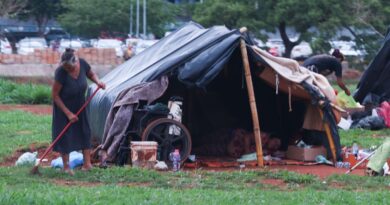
(337, 185)
(322, 171)
(41, 148)
(352, 74)
(35, 109)
(135, 184)
(274, 182)
(63, 182)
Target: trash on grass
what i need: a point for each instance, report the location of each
(161, 166)
(27, 158)
(321, 159)
(75, 160)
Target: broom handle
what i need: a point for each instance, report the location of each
(361, 161)
(68, 125)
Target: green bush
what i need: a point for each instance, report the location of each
(14, 93)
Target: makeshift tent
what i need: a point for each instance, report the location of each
(374, 86)
(216, 71)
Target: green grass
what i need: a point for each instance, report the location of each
(126, 185)
(14, 93)
(19, 129)
(364, 138)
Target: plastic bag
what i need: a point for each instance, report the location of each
(75, 159)
(27, 158)
(370, 123)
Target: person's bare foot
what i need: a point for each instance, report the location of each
(86, 167)
(69, 171)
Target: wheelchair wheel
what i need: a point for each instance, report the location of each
(170, 135)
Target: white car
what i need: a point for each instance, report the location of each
(347, 48)
(301, 50)
(111, 43)
(65, 43)
(143, 44)
(28, 45)
(5, 46)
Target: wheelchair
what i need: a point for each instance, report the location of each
(153, 123)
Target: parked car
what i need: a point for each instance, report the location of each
(28, 45)
(5, 46)
(111, 43)
(301, 50)
(67, 43)
(55, 34)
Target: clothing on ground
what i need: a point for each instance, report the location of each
(121, 112)
(378, 160)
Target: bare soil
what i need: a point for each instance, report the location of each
(274, 182)
(41, 148)
(35, 109)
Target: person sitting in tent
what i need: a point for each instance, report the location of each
(236, 142)
(378, 159)
(129, 52)
(326, 64)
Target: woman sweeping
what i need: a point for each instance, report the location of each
(68, 94)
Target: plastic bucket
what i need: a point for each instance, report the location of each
(143, 153)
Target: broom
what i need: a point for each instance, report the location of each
(35, 169)
(360, 162)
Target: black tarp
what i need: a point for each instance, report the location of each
(374, 86)
(192, 52)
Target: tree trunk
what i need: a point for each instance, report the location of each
(41, 23)
(288, 44)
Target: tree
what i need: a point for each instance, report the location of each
(370, 16)
(90, 17)
(41, 11)
(11, 7)
(325, 15)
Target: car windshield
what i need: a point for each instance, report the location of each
(56, 32)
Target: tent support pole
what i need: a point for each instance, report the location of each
(329, 136)
(252, 102)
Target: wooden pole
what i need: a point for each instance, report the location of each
(252, 102)
(329, 136)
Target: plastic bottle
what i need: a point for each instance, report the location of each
(175, 158)
(355, 149)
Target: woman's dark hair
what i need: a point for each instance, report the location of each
(68, 56)
(336, 53)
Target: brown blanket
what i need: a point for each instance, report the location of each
(121, 113)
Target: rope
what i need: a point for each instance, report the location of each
(277, 83)
(289, 98)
